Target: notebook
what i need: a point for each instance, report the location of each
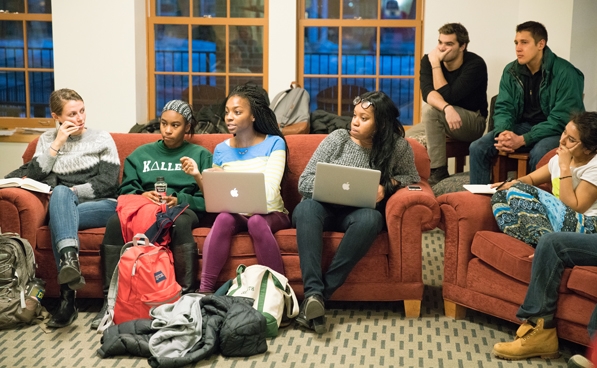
(350, 186)
(234, 192)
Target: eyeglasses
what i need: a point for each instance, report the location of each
(364, 103)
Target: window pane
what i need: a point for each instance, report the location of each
(39, 45)
(321, 50)
(322, 9)
(401, 9)
(172, 8)
(206, 51)
(209, 8)
(39, 6)
(171, 48)
(246, 50)
(13, 5)
(246, 8)
(208, 92)
(41, 85)
(237, 81)
(323, 93)
(356, 9)
(12, 47)
(401, 91)
(397, 51)
(169, 87)
(358, 53)
(12, 94)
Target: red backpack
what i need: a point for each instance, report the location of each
(144, 278)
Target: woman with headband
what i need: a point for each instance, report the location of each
(181, 164)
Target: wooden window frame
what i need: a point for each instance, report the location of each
(416, 23)
(12, 122)
(190, 21)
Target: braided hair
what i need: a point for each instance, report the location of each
(265, 118)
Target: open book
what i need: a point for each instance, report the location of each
(479, 188)
(25, 183)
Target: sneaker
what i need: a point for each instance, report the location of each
(579, 361)
(531, 341)
(438, 174)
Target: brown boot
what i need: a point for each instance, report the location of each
(530, 342)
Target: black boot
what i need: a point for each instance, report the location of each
(70, 270)
(110, 255)
(67, 311)
(186, 266)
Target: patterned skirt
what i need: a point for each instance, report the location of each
(526, 213)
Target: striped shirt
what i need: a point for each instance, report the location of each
(268, 157)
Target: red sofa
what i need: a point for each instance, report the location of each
(391, 270)
(489, 271)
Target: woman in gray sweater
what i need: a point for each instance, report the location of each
(375, 141)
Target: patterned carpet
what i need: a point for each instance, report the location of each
(360, 335)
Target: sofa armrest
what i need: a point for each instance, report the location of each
(22, 212)
(463, 214)
(408, 214)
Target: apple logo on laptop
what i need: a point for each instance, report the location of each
(346, 186)
(234, 192)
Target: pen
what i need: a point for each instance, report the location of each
(501, 185)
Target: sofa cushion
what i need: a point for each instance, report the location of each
(583, 280)
(504, 253)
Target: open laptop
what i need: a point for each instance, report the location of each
(234, 192)
(350, 186)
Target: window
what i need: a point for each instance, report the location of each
(352, 46)
(200, 49)
(26, 63)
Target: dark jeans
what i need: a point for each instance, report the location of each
(555, 252)
(482, 153)
(311, 219)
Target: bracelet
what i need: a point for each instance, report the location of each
(53, 149)
(433, 67)
(565, 177)
(444, 109)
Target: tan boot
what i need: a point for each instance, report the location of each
(530, 342)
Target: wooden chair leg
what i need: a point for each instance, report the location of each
(454, 310)
(522, 167)
(500, 169)
(412, 308)
(459, 164)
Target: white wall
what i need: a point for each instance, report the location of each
(100, 49)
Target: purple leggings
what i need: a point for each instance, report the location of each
(261, 229)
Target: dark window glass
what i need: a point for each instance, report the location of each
(13, 6)
(358, 51)
(39, 6)
(321, 50)
(246, 9)
(169, 87)
(322, 9)
(172, 8)
(209, 8)
(171, 48)
(12, 94)
(359, 9)
(393, 9)
(41, 85)
(40, 46)
(208, 52)
(401, 91)
(12, 46)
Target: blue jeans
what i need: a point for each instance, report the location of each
(311, 219)
(482, 153)
(67, 217)
(555, 252)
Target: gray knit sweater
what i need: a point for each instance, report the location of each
(338, 148)
(89, 162)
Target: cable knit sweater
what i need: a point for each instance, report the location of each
(338, 148)
(88, 162)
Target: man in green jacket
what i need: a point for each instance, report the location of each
(538, 93)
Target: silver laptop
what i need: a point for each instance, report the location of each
(350, 186)
(234, 192)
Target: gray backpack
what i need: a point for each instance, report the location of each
(291, 106)
(20, 291)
